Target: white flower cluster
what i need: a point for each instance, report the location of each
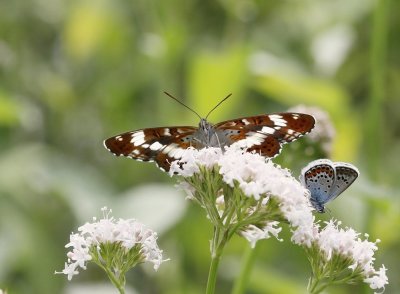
(257, 177)
(346, 242)
(127, 233)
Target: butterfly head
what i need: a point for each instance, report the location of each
(204, 125)
(206, 133)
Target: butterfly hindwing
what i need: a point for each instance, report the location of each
(346, 174)
(268, 147)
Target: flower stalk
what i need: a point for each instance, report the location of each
(218, 243)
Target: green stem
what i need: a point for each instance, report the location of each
(105, 264)
(212, 274)
(327, 278)
(313, 287)
(313, 283)
(217, 247)
(247, 264)
(114, 280)
(319, 289)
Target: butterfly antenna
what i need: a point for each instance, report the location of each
(219, 103)
(180, 102)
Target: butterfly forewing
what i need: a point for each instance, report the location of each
(287, 126)
(267, 132)
(346, 174)
(297, 125)
(162, 145)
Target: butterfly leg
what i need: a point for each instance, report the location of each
(219, 143)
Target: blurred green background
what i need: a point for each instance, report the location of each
(73, 73)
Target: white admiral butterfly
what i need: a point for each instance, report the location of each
(326, 180)
(265, 134)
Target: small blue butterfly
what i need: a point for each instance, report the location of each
(326, 180)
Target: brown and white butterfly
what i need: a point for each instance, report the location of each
(265, 134)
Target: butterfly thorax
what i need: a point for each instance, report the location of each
(208, 136)
(318, 206)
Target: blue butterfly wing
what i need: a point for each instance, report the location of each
(346, 174)
(319, 177)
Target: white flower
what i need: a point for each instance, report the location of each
(126, 233)
(187, 188)
(69, 270)
(80, 252)
(305, 233)
(253, 233)
(220, 205)
(378, 280)
(333, 239)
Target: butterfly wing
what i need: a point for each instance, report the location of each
(346, 174)
(266, 133)
(319, 177)
(162, 145)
